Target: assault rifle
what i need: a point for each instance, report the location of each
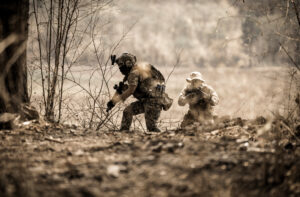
(121, 87)
(119, 90)
(190, 93)
(195, 91)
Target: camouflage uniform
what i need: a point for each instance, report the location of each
(151, 110)
(143, 82)
(201, 100)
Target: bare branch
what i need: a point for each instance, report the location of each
(296, 11)
(292, 60)
(40, 51)
(178, 59)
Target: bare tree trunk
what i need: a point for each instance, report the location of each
(13, 38)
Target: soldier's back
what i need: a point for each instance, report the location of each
(148, 78)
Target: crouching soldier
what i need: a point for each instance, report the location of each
(147, 85)
(201, 99)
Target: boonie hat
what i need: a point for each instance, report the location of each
(195, 76)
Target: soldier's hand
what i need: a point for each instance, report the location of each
(206, 96)
(109, 105)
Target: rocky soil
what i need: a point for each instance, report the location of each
(236, 158)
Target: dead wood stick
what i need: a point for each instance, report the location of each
(53, 140)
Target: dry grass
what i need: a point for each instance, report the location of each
(245, 93)
(207, 39)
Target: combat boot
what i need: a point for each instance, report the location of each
(124, 129)
(154, 130)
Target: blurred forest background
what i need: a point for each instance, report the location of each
(247, 50)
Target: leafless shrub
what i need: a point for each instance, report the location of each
(65, 30)
(63, 35)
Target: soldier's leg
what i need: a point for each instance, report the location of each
(188, 119)
(152, 113)
(208, 116)
(134, 108)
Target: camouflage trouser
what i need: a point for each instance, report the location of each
(151, 109)
(201, 116)
(188, 119)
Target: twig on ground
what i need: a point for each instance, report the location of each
(54, 140)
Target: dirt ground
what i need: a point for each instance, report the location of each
(236, 159)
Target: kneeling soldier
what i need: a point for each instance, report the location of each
(201, 99)
(147, 85)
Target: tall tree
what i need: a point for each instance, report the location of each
(13, 39)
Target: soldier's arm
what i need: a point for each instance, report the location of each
(214, 98)
(182, 100)
(133, 80)
(128, 92)
(118, 97)
(212, 95)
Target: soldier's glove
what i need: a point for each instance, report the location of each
(109, 105)
(121, 87)
(206, 96)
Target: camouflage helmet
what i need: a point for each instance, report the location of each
(126, 59)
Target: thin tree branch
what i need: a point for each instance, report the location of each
(292, 60)
(40, 50)
(297, 12)
(178, 57)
